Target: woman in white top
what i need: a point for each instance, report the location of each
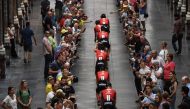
(11, 35)
(10, 101)
(164, 51)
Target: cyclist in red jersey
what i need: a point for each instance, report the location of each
(102, 34)
(102, 75)
(102, 57)
(105, 22)
(103, 38)
(108, 98)
(97, 29)
(102, 78)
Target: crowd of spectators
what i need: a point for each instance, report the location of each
(154, 70)
(63, 28)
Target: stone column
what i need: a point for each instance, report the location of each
(5, 13)
(188, 22)
(1, 20)
(11, 10)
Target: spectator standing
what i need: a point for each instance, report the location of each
(136, 66)
(142, 12)
(52, 41)
(48, 24)
(186, 82)
(50, 95)
(144, 72)
(164, 51)
(58, 8)
(165, 97)
(49, 84)
(149, 97)
(183, 106)
(158, 71)
(173, 90)
(45, 6)
(24, 97)
(157, 58)
(27, 35)
(186, 98)
(47, 49)
(10, 101)
(177, 34)
(11, 34)
(169, 69)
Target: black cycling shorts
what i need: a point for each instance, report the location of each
(100, 65)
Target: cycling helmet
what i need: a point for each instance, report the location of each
(97, 22)
(103, 16)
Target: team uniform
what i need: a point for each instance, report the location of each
(101, 63)
(108, 98)
(102, 78)
(105, 22)
(97, 29)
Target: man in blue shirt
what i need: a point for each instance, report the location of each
(26, 40)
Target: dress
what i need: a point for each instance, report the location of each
(24, 97)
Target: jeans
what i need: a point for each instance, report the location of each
(172, 105)
(48, 60)
(175, 38)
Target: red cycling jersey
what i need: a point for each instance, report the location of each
(103, 75)
(101, 55)
(104, 21)
(108, 94)
(97, 28)
(102, 35)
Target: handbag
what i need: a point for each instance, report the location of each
(145, 15)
